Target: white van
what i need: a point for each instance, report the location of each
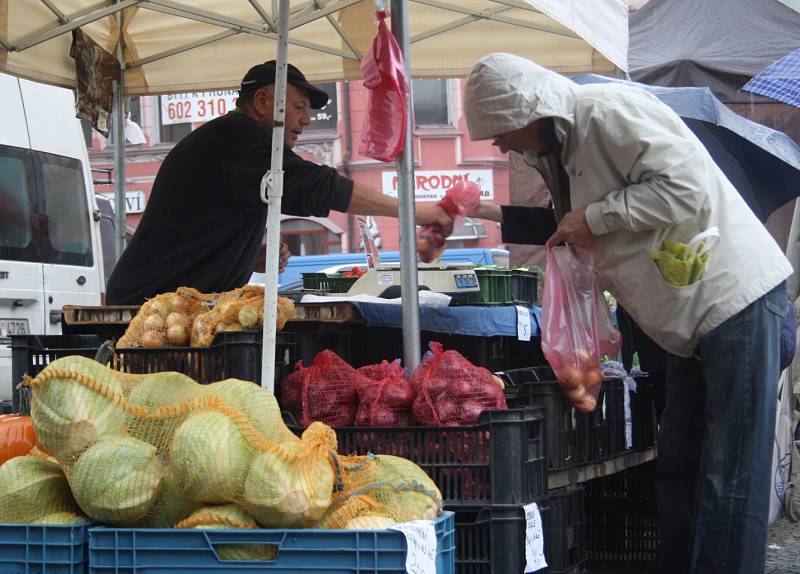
(50, 250)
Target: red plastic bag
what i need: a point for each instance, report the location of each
(451, 391)
(386, 399)
(577, 328)
(459, 200)
(384, 75)
(325, 391)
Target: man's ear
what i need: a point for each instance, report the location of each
(263, 101)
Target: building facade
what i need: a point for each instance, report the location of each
(443, 155)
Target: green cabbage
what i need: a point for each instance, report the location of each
(258, 405)
(230, 517)
(31, 488)
(117, 480)
(156, 391)
(209, 457)
(289, 492)
(67, 416)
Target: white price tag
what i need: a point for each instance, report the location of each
(534, 539)
(523, 323)
(421, 540)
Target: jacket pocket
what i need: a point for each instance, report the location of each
(781, 310)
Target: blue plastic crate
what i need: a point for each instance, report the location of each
(169, 551)
(44, 549)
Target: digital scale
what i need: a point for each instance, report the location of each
(383, 280)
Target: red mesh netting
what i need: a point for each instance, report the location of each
(325, 391)
(385, 399)
(451, 391)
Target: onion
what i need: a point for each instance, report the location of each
(176, 318)
(447, 410)
(570, 378)
(248, 316)
(587, 404)
(593, 379)
(151, 339)
(178, 303)
(383, 417)
(178, 335)
(436, 386)
(575, 395)
(583, 358)
(400, 393)
(462, 389)
(471, 412)
(153, 322)
(158, 307)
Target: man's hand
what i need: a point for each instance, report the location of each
(573, 229)
(432, 213)
(283, 257)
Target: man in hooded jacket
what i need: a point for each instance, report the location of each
(625, 174)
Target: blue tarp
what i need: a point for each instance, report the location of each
(474, 321)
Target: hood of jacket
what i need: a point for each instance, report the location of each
(505, 93)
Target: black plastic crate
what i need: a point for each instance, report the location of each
(498, 460)
(523, 389)
(644, 426)
(524, 288)
(231, 355)
(614, 414)
(490, 540)
(564, 529)
(6, 407)
(622, 526)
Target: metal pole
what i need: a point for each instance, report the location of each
(118, 125)
(405, 193)
(271, 193)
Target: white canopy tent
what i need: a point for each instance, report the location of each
(169, 46)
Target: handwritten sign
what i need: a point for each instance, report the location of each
(523, 324)
(421, 540)
(534, 539)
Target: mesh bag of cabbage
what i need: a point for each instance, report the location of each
(237, 310)
(324, 391)
(378, 491)
(453, 391)
(387, 398)
(165, 320)
(33, 489)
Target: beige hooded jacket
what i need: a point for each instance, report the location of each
(643, 177)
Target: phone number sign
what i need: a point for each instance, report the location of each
(196, 107)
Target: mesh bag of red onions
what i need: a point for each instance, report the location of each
(386, 399)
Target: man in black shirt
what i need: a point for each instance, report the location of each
(205, 220)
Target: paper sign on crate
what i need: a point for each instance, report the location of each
(534, 539)
(421, 540)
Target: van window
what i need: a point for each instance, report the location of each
(65, 212)
(17, 206)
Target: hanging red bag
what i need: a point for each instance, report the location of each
(576, 325)
(451, 391)
(325, 391)
(459, 200)
(384, 74)
(386, 400)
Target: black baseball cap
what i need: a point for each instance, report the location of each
(262, 75)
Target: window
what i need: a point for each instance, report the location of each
(430, 102)
(65, 213)
(305, 237)
(17, 206)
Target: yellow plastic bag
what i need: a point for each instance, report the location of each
(683, 264)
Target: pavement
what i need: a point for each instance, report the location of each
(783, 547)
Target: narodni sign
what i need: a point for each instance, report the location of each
(431, 185)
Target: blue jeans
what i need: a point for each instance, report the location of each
(715, 445)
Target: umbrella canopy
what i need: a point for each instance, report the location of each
(780, 81)
(174, 46)
(763, 164)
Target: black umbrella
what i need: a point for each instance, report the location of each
(763, 164)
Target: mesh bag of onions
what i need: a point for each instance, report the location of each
(451, 391)
(165, 320)
(385, 400)
(324, 391)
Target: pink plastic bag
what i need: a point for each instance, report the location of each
(384, 75)
(577, 329)
(459, 200)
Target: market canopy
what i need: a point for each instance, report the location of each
(173, 46)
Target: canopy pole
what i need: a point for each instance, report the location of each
(118, 126)
(406, 197)
(272, 193)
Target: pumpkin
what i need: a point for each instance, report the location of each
(17, 436)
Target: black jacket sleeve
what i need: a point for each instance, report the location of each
(527, 225)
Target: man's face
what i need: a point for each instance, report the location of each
(298, 107)
(537, 138)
